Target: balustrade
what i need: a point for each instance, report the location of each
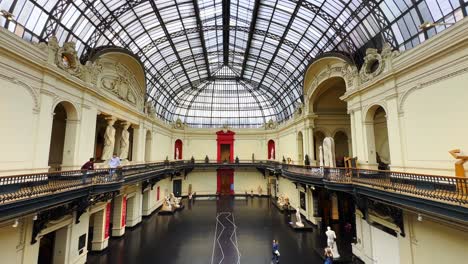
(442, 188)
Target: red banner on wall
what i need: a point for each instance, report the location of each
(107, 224)
(124, 211)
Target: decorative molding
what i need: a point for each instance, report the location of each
(33, 92)
(418, 86)
(366, 109)
(179, 125)
(375, 63)
(345, 71)
(270, 125)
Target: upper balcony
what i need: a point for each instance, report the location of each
(440, 195)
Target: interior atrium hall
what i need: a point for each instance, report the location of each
(233, 131)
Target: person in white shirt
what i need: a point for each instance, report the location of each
(114, 163)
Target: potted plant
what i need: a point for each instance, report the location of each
(237, 159)
(306, 160)
(207, 160)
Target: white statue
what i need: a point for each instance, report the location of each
(109, 139)
(174, 201)
(298, 218)
(331, 242)
(124, 141)
(166, 205)
(272, 153)
(176, 153)
(329, 152)
(321, 156)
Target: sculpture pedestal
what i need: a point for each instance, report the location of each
(167, 209)
(305, 225)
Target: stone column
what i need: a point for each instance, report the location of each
(394, 135)
(119, 216)
(148, 203)
(43, 131)
(134, 209)
(124, 141)
(101, 228)
(109, 138)
(70, 144)
(87, 134)
(139, 142)
(310, 147)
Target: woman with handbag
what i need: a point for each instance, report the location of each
(275, 251)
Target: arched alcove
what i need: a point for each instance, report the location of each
(377, 137)
(178, 149)
(63, 136)
(271, 149)
(341, 147)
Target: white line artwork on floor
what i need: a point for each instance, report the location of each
(228, 255)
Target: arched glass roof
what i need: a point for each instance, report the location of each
(236, 62)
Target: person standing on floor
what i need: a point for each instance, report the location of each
(275, 251)
(328, 256)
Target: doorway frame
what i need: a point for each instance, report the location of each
(225, 138)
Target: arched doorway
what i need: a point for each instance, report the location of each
(332, 113)
(341, 147)
(62, 140)
(300, 148)
(148, 143)
(178, 149)
(271, 149)
(377, 137)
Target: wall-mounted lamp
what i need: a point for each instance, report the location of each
(35, 217)
(428, 25)
(16, 223)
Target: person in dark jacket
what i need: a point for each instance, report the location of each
(275, 251)
(89, 165)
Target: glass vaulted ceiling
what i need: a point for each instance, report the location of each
(235, 62)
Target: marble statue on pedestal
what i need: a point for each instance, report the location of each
(109, 139)
(177, 153)
(272, 153)
(298, 218)
(167, 206)
(281, 200)
(321, 156)
(331, 242)
(329, 152)
(125, 141)
(174, 201)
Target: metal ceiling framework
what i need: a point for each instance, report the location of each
(234, 62)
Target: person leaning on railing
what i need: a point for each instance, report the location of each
(89, 165)
(114, 163)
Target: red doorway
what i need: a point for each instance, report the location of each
(225, 177)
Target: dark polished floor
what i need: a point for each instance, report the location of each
(213, 231)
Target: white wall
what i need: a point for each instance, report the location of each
(248, 181)
(204, 182)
